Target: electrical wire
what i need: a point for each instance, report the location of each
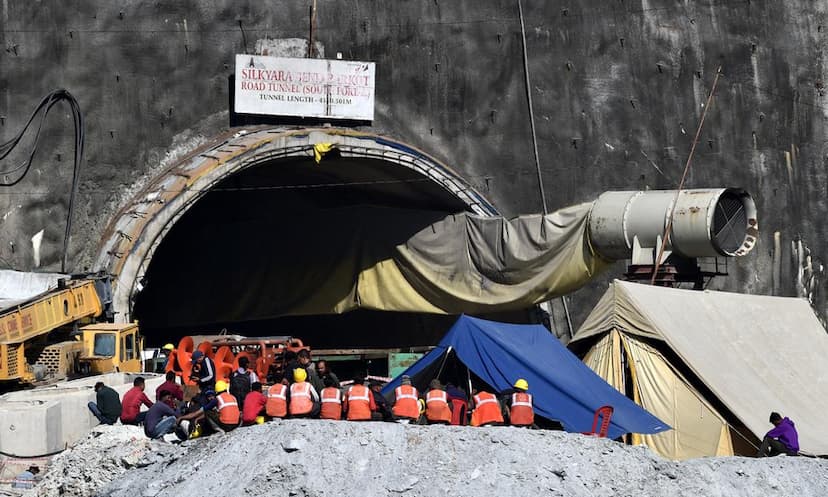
(41, 111)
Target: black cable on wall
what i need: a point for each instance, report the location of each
(41, 112)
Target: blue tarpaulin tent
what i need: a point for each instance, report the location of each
(564, 389)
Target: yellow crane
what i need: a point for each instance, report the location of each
(37, 343)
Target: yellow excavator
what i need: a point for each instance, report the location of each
(52, 336)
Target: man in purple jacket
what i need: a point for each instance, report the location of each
(782, 439)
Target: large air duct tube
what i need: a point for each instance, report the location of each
(706, 222)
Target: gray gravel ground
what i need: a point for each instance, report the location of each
(322, 458)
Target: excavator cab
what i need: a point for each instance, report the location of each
(110, 347)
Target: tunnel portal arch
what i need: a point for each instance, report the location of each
(136, 231)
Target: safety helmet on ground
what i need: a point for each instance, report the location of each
(299, 374)
(260, 420)
(522, 384)
(221, 386)
(168, 346)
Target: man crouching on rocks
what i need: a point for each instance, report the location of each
(782, 439)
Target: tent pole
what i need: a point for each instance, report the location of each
(468, 376)
(445, 358)
(568, 319)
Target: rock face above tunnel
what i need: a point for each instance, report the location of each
(618, 90)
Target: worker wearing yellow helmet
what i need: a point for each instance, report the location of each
(167, 350)
(518, 407)
(227, 413)
(304, 399)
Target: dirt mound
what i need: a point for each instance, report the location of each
(321, 458)
(105, 454)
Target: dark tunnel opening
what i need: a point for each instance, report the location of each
(284, 237)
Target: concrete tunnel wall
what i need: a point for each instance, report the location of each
(618, 90)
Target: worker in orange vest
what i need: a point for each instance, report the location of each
(517, 404)
(277, 397)
(406, 406)
(486, 410)
(359, 402)
(226, 415)
(331, 400)
(304, 400)
(438, 410)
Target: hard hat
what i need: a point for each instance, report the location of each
(168, 346)
(300, 374)
(521, 384)
(260, 420)
(221, 386)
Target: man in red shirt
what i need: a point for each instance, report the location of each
(176, 393)
(131, 412)
(254, 404)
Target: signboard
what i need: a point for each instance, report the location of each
(281, 86)
(400, 361)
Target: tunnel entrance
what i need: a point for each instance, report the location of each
(269, 245)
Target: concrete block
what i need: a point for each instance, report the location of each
(31, 428)
(68, 421)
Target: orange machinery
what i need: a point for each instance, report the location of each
(225, 351)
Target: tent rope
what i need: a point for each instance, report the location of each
(669, 226)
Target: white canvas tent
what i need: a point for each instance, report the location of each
(752, 354)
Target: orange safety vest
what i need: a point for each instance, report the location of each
(228, 409)
(437, 409)
(486, 409)
(300, 399)
(406, 404)
(331, 403)
(276, 405)
(521, 413)
(359, 403)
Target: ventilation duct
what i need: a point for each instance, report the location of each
(706, 222)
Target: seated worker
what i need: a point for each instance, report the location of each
(219, 410)
(108, 406)
(359, 401)
(304, 400)
(459, 402)
(782, 439)
(254, 404)
(135, 396)
(206, 401)
(406, 406)
(26, 479)
(277, 397)
(331, 401)
(174, 388)
(517, 404)
(438, 410)
(383, 412)
(486, 410)
(161, 418)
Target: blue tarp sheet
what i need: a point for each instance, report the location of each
(564, 388)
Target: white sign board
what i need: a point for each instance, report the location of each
(281, 86)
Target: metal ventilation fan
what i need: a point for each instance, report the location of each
(729, 222)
